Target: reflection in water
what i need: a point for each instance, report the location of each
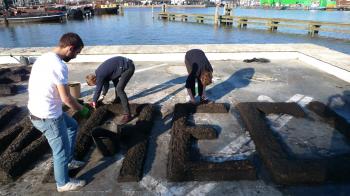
(138, 27)
(13, 34)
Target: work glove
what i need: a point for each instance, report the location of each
(92, 105)
(85, 112)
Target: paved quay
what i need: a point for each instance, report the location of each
(299, 73)
(319, 52)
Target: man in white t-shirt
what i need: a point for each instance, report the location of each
(48, 90)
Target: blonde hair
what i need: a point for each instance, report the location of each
(91, 79)
(206, 77)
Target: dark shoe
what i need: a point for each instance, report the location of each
(75, 164)
(126, 118)
(117, 100)
(205, 101)
(24, 60)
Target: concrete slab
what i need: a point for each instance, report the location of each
(162, 83)
(324, 54)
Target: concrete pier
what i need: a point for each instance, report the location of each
(299, 73)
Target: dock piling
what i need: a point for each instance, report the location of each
(242, 23)
(313, 29)
(184, 18)
(200, 19)
(273, 25)
(216, 16)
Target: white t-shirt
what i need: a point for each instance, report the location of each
(47, 72)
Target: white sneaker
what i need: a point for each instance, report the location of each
(74, 164)
(101, 97)
(72, 185)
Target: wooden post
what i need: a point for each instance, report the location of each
(184, 18)
(313, 29)
(231, 7)
(242, 23)
(227, 10)
(163, 7)
(152, 12)
(216, 16)
(273, 25)
(200, 19)
(121, 8)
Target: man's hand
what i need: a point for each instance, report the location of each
(67, 98)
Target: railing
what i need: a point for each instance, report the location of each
(272, 24)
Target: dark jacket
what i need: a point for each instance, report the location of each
(197, 56)
(111, 69)
(196, 62)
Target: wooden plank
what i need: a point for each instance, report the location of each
(296, 21)
(255, 23)
(210, 15)
(226, 21)
(334, 30)
(227, 17)
(291, 26)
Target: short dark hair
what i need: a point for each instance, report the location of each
(71, 39)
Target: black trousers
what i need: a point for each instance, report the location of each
(192, 79)
(119, 86)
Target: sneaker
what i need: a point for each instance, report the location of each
(101, 98)
(72, 185)
(126, 118)
(74, 164)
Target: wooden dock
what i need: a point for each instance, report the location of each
(271, 24)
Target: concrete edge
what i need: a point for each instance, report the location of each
(150, 49)
(336, 63)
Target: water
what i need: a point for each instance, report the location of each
(138, 27)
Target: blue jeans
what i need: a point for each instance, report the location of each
(61, 134)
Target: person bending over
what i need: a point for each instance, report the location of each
(200, 70)
(119, 70)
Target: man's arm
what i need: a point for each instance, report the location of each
(99, 85)
(105, 88)
(67, 98)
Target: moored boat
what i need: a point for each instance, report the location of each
(101, 9)
(42, 17)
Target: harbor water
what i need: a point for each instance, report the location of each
(142, 27)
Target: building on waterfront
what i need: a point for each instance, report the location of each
(301, 3)
(188, 2)
(343, 4)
